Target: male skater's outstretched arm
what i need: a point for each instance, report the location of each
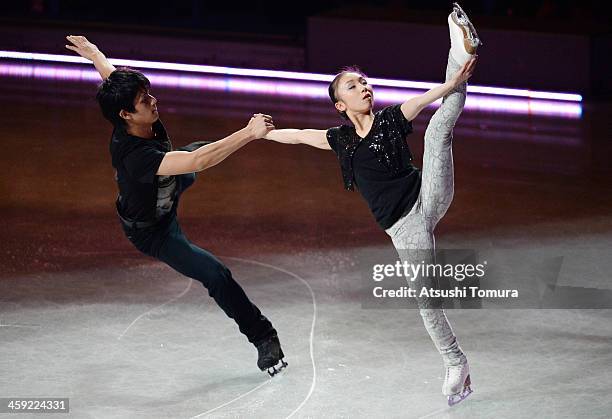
(174, 162)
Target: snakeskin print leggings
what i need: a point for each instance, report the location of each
(412, 234)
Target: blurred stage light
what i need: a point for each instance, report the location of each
(285, 83)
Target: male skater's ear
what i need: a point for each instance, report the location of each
(125, 114)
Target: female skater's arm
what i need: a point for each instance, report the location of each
(87, 50)
(312, 137)
(412, 107)
(181, 162)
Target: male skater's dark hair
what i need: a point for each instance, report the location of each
(119, 91)
(333, 86)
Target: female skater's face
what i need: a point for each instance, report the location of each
(145, 112)
(354, 94)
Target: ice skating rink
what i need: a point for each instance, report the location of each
(83, 315)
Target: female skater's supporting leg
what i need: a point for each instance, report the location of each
(413, 238)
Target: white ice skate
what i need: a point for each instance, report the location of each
(457, 383)
(464, 39)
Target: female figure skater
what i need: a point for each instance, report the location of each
(151, 177)
(406, 203)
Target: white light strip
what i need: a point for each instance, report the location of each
(231, 71)
(292, 88)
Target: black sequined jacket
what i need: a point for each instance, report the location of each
(386, 139)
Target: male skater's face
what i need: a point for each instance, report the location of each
(145, 112)
(354, 93)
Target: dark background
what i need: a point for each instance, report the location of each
(289, 18)
(522, 175)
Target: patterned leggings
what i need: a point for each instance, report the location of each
(412, 234)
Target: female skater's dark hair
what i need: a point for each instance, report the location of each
(119, 91)
(333, 86)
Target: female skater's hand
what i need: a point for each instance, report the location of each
(260, 125)
(83, 47)
(465, 72)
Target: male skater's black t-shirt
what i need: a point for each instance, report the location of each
(389, 194)
(143, 195)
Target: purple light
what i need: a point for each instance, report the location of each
(300, 89)
(230, 71)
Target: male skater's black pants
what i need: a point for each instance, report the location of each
(166, 242)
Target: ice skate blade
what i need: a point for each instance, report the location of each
(458, 398)
(272, 371)
(471, 38)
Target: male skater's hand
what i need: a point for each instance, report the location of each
(83, 47)
(260, 125)
(87, 50)
(465, 72)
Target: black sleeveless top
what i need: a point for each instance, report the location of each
(379, 164)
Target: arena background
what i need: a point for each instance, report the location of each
(84, 316)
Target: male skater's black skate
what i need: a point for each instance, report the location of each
(271, 356)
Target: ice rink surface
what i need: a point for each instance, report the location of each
(83, 315)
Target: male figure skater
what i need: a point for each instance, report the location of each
(151, 177)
